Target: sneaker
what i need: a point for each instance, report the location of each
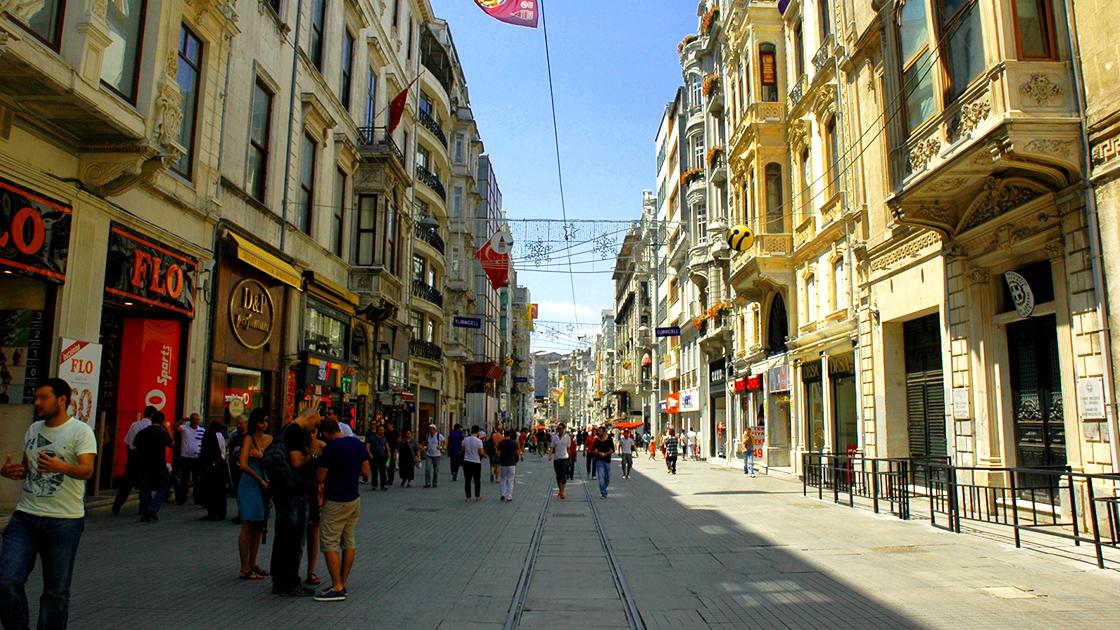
(502, 499)
(330, 595)
(298, 591)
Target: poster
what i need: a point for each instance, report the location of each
(149, 375)
(22, 344)
(759, 435)
(79, 364)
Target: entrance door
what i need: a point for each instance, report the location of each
(925, 394)
(1036, 395)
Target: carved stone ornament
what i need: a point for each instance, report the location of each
(170, 114)
(912, 249)
(922, 153)
(932, 213)
(100, 8)
(948, 184)
(997, 197)
(110, 170)
(1055, 249)
(1050, 147)
(969, 118)
(3, 41)
(979, 275)
(1040, 88)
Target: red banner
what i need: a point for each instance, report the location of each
(494, 256)
(149, 375)
(673, 403)
(516, 12)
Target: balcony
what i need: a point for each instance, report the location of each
(431, 237)
(376, 286)
(377, 146)
(431, 180)
(432, 125)
(426, 292)
(717, 168)
(797, 92)
(766, 264)
(824, 53)
(420, 349)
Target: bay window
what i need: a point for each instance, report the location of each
(775, 219)
(121, 57)
(43, 19)
(1034, 28)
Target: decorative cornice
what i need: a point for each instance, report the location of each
(997, 197)
(911, 249)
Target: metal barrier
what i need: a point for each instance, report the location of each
(878, 479)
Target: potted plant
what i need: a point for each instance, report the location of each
(710, 18)
(691, 174)
(715, 156)
(688, 39)
(710, 85)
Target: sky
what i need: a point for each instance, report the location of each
(614, 68)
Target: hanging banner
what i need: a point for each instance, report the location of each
(516, 12)
(494, 256)
(690, 400)
(79, 364)
(149, 374)
(673, 402)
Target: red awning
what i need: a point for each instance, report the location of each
(629, 424)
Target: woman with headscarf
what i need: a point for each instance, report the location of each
(406, 459)
(252, 489)
(214, 473)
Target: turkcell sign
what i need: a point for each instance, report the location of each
(521, 379)
(668, 331)
(467, 322)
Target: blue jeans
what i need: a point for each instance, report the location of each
(287, 545)
(603, 470)
(153, 492)
(431, 471)
(748, 462)
(55, 540)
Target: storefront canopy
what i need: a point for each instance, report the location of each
(257, 257)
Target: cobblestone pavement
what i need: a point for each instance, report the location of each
(705, 548)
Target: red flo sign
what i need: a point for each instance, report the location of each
(149, 374)
(138, 269)
(34, 232)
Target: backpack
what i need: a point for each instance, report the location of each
(277, 464)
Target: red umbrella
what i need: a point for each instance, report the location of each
(632, 424)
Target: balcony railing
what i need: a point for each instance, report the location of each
(824, 54)
(425, 350)
(432, 125)
(427, 293)
(379, 139)
(797, 92)
(429, 236)
(431, 180)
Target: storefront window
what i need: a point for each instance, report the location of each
(246, 385)
(24, 337)
(325, 331)
(814, 406)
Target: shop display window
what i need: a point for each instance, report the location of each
(25, 334)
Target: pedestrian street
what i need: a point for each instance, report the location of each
(707, 547)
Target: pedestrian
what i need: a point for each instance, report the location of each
(287, 480)
(129, 479)
(455, 450)
(314, 508)
(392, 440)
(670, 444)
(378, 449)
(473, 450)
(523, 441)
(652, 443)
(626, 453)
(344, 460)
(603, 450)
(573, 449)
(559, 454)
(588, 452)
(58, 458)
(509, 453)
(406, 459)
(213, 476)
(491, 448)
(252, 490)
(542, 441)
(190, 447)
(151, 470)
(236, 438)
(748, 452)
(581, 437)
(434, 446)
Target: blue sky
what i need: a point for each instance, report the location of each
(614, 67)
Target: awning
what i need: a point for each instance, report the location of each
(629, 424)
(331, 293)
(255, 256)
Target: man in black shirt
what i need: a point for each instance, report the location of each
(508, 455)
(602, 450)
(393, 439)
(291, 504)
(151, 445)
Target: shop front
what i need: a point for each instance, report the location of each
(327, 367)
(777, 416)
(718, 415)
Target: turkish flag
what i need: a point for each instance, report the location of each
(396, 107)
(494, 256)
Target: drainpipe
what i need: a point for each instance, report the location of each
(291, 123)
(1094, 240)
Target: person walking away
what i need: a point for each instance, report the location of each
(473, 450)
(491, 448)
(573, 449)
(213, 473)
(559, 452)
(522, 441)
(671, 444)
(626, 452)
(344, 460)
(589, 453)
(190, 447)
(603, 450)
(151, 457)
(252, 488)
(455, 450)
(130, 479)
(434, 446)
(748, 452)
(542, 442)
(287, 480)
(509, 453)
(406, 460)
(378, 449)
(392, 440)
(58, 455)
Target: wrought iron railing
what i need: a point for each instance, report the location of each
(426, 292)
(425, 350)
(432, 125)
(431, 237)
(431, 180)
(379, 139)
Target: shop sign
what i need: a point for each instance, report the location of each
(467, 322)
(759, 435)
(754, 383)
(673, 402)
(668, 331)
(717, 375)
(138, 269)
(322, 373)
(149, 373)
(741, 385)
(769, 72)
(690, 400)
(34, 232)
(251, 313)
(778, 377)
(291, 395)
(1090, 398)
(1021, 295)
(79, 364)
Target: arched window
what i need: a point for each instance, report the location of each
(768, 71)
(775, 222)
(777, 328)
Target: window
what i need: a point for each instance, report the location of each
(418, 268)
(810, 299)
(962, 35)
(405, 147)
(347, 68)
(260, 128)
(696, 93)
(425, 105)
(389, 258)
(775, 222)
(460, 141)
(1034, 30)
(366, 231)
(457, 202)
(698, 151)
(371, 99)
(744, 86)
(430, 331)
(338, 212)
(673, 291)
(833, 147)
(917, 79)
(417, 321)
(701, 215)
(409, 49)
(768, 69)
(839, 285)
(752, 218)
(806, 184)
(822, 19)
(423, 158)
(306, 184)
(275, 4)
(318, 25)
(798, 51)
(189, 71)
(43, 19)
(120, 58)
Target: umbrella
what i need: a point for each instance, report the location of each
(632, 424)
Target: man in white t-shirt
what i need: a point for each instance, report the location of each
(433, 446)
(190, 446)
(58, 454)
(558, 449)
(130, 479)
(626, 450)
(472, 464)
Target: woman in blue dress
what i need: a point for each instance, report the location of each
(251, 491)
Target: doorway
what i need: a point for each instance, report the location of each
(1036, 397)
(925, 395)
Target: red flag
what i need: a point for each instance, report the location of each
(494, 256)
(516, 12)
(396, 107)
